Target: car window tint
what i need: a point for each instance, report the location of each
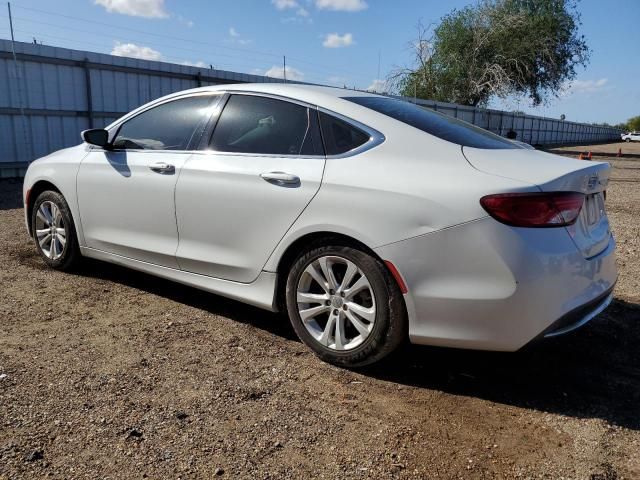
(340, 136)
(253, 124)
(434, 123)
(169, 126)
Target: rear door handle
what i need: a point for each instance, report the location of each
(162, 167)
(281, 179)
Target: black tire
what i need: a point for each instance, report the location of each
(390, 325)
(71, 251)
(627, 140)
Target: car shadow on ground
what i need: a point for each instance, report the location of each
(592, 373)
(10, 193)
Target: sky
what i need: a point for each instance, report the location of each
(356, 43)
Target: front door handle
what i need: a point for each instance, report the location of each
(281, 179)
(162, 167)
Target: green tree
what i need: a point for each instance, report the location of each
(496, 48)
(633, 124)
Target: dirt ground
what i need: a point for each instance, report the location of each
(602, 151)
(109, 373)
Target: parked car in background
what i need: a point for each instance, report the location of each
(369, 220)
(631, 137)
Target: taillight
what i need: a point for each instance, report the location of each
(553, 209)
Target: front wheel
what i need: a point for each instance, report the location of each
(627, 140)
(345, 306)
(54, 231)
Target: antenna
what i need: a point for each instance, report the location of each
(284, 68)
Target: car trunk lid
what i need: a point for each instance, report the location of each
(553, 173)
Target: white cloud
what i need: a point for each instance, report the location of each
(284, 4)
(185, 21)
(589, 86)
(378, 86)
(298, 19)
(235, 37)
(135, 8)
(584, 86)
(342, 5)
(135, 51)
(199, 64)
(292, 73)
(334, 40)
(289, 4)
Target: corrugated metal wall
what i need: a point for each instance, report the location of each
(529, 128)
(55, 93)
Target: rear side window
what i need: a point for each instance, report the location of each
(339, 136)
(253, 124)
(442, 126)
(169, 126)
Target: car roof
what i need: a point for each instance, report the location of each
(330, 98)
(327, 97)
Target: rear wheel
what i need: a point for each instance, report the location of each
(54, 231)
(345, 306)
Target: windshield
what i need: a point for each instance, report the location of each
(442, 126)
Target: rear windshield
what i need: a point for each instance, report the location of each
(442, 126)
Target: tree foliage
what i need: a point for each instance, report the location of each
(496, 48)
(633, 124)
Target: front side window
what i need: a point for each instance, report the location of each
(169, 126)
(261, 125)
(442, 126)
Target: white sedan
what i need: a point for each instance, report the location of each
(369, 220)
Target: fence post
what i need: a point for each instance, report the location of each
(199, 79)
(87, 83)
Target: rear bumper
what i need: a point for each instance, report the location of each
(580, 316)
(484, 285)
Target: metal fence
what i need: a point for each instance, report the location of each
(55, 93)
(530, 129)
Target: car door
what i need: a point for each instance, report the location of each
(126, 194)
(236, 199)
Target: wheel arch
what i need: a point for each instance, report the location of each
(306, 242)
(36, 189)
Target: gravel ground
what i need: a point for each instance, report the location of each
(109, 373)
(600, 150)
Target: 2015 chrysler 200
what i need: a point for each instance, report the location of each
(368, 219)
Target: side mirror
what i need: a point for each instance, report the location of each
(97, 136)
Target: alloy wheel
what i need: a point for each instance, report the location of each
(336, 303)
(51, 232)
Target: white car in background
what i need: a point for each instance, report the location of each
(631, 137)
(369, 220)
